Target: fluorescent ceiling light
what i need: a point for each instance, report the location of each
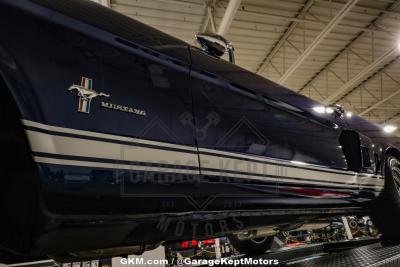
(389, 128)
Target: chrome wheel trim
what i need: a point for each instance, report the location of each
(259, 240)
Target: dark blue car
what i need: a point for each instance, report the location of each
(117, 138)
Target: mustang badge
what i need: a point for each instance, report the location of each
(86, 94)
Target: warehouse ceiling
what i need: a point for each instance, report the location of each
(334, 51)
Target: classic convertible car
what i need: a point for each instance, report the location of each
(117, 138)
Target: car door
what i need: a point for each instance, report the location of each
(248, 134)
(108, 138)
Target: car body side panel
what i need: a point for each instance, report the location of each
(248, 132)
(281, 132)
(111, 59)
(109, 154)
(130, 155)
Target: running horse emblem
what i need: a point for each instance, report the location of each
(86, 94)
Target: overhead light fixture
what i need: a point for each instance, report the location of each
(389, 128)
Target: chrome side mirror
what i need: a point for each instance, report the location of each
(338, 110)
(216, 45)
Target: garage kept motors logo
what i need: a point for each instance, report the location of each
(85, 94)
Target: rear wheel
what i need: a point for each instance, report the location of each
(386, 210)
(253, 246)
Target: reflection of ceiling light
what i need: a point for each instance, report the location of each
(298, 162)
(349, 114)
(389, 128)
(329, 110)
(319, 109)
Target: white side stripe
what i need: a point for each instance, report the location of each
(155, 143)
(266, 160)
(69, 146)
(263, 169)
(280, 180)
(112, 166)
(215, 162)
(105, 136)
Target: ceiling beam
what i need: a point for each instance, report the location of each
(389, 7)
(392, 119)
(182, 3)
(376, 105)
(314, 22)
(395, 119)
(284, 37)
(227, 19)
(381, 70)
(209, 17)
(362, 8)
(328, 28)
(361, 76)
(212, 20)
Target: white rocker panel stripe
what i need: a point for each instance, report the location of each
(112, 166)
(70, 146)
(278, 180)
(105, 136)
(214, 165)
(229, 164)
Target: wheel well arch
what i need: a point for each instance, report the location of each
(7, 98)
(393, 152)
(389, 151)
(13, 138)
(19, 185)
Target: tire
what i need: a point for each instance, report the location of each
(386, 210)
(251, 247)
